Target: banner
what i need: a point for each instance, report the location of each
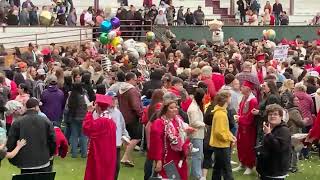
(281, 52)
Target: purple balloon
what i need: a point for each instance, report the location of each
(115, 22)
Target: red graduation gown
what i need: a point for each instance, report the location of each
(246, 136)
(315, 130)
(157, 146)
(101, 162)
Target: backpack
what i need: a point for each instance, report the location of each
(38, 89)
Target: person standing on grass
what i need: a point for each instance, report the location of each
(38, 131)
(221, 138)
(76, 109)
(246, 136)
(273, 157)
(195, 116)
(122, 134)
(101, 131)
(131, 108)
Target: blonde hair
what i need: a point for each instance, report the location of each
(287, 85)
(206, 71)
(300, 87)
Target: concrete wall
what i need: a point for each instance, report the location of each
(21, 36)
(243, 32)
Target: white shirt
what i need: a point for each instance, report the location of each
(88, 18)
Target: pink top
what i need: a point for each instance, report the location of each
(23, 98)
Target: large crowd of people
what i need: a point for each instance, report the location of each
(63, 13)
(185, 104)
(180, 101)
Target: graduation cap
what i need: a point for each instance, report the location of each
(103, 100)
(261, 57)
(248, 84)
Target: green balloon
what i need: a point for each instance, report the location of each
(104, 38)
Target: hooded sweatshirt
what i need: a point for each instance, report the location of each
(130, 103)
(52, 103)
(221, 135)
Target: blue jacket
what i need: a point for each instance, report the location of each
(52, 100)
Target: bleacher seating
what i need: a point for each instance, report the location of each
(303, 10)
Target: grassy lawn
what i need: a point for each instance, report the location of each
(73, 169)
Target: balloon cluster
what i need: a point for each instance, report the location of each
(269, 34)
(111, 33)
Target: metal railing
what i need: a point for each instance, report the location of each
(71, 34)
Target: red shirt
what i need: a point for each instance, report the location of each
(218, 80)
(317, 68)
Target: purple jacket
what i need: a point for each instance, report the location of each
(52, 100)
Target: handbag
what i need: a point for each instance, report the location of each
(171, 171)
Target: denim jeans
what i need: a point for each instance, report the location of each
(76, 137)
(294, 158)
(277, 19)
(222, 165)
(196, 159)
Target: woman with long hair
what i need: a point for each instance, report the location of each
(149, 115)
(286, 92)
(270, 96)
(167, 144)
(195, 114)
(60, 76)
(76, 111)
(87, 85)
(231, 69)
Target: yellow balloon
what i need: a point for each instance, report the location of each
(116, 41)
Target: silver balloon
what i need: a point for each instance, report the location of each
(119, 48)
(130, 43)
(133, 53)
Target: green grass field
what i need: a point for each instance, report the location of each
(73, 169)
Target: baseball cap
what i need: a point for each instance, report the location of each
(41, 72)
(111, 94)
(52, 79)
(312, 74)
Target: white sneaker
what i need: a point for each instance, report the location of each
(233, 163)
(239, 168)
(137, 148)
(248, 171)
(203, 178)
(194, 150)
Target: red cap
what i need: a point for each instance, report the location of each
(45, 51)
(261, 57)
(22, 65)
(103, 100)
(284, 41)
(248, 84)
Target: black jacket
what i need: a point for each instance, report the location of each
(273, 156)
(151, 85)
(40, 136)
